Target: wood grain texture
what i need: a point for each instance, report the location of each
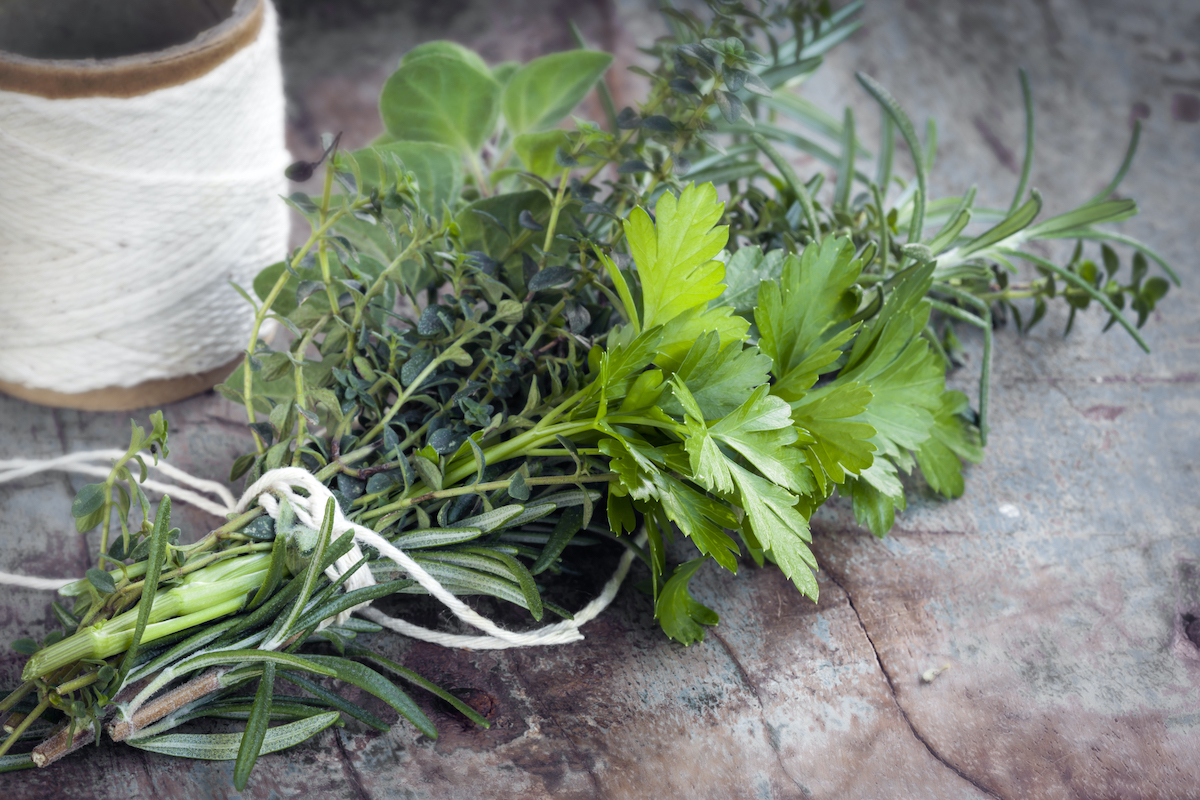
(1058, 589)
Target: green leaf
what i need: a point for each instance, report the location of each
(876, 494)
(545, 90)
(256, 728)
(681, 615)
(154, 563)
(536, 151)
(782, 530)
(441, 98)
(674, 259)
(802, 318)
(88, 500)
(103, 582)
(569, 524)
(225, 746)
(438, 169)
(336, 701)
(25, 647)
(951, 438)
(701, 518)
(371, 681)
(836, 444)
(444, 47)
(760, 430)
(746, 269)
(719, 378)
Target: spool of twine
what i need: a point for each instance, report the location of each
(141, 160)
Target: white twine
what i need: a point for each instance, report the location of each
(123, 220)
(281, 484)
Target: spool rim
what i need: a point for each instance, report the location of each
(151, 393)
(134, 75)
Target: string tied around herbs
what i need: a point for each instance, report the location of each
(308, 499)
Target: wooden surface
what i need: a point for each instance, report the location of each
(1057, 589)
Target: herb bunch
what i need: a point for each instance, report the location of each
(506, 337)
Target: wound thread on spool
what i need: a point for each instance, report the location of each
(123, 219)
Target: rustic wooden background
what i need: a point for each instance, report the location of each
(1058, 590)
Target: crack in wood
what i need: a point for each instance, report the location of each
(896, 698)
(762, 709)
(348, 767)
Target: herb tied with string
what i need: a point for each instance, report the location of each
(513, 338)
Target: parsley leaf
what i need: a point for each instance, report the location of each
(802, 318)
(677, 273)
(719, 378)
(674, 260)
(680, 614)
(836, 442)
(952, 437)
(876, 494)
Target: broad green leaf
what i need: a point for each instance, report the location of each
(904, 376)
(952, 437)
(775, 523)
(719, 378)
(441, 98)
(801, 318)
(876, 494)
(88, 500)
(838, 446)
(682, 331)
(536, 151)
(444, 47)
(681, 615)
(544, 91)
(744, 271)
(224, 746)
(674, 259)
(905, 395)
(634, 462)
(702, 519)
(627, 355)
(438, 169)
(761, 431)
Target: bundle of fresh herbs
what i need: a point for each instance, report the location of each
(511, 336)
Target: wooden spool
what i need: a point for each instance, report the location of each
(83, 48)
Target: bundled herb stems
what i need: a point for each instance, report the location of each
(514, 336)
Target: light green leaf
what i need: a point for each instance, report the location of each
(674, 259)
(802, 318)
(837, 445)
(444, 47)
(876, 494)
(224, 746)
(544, 91)
(761, 431)
(681, 332)
(701, 518)
(438, 169)
(776, 524)
(719, 378)
(952, 437)
(536, 151)
(744, 271)
(681, 615)
(441, 98)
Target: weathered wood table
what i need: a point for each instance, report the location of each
(1058, 589)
